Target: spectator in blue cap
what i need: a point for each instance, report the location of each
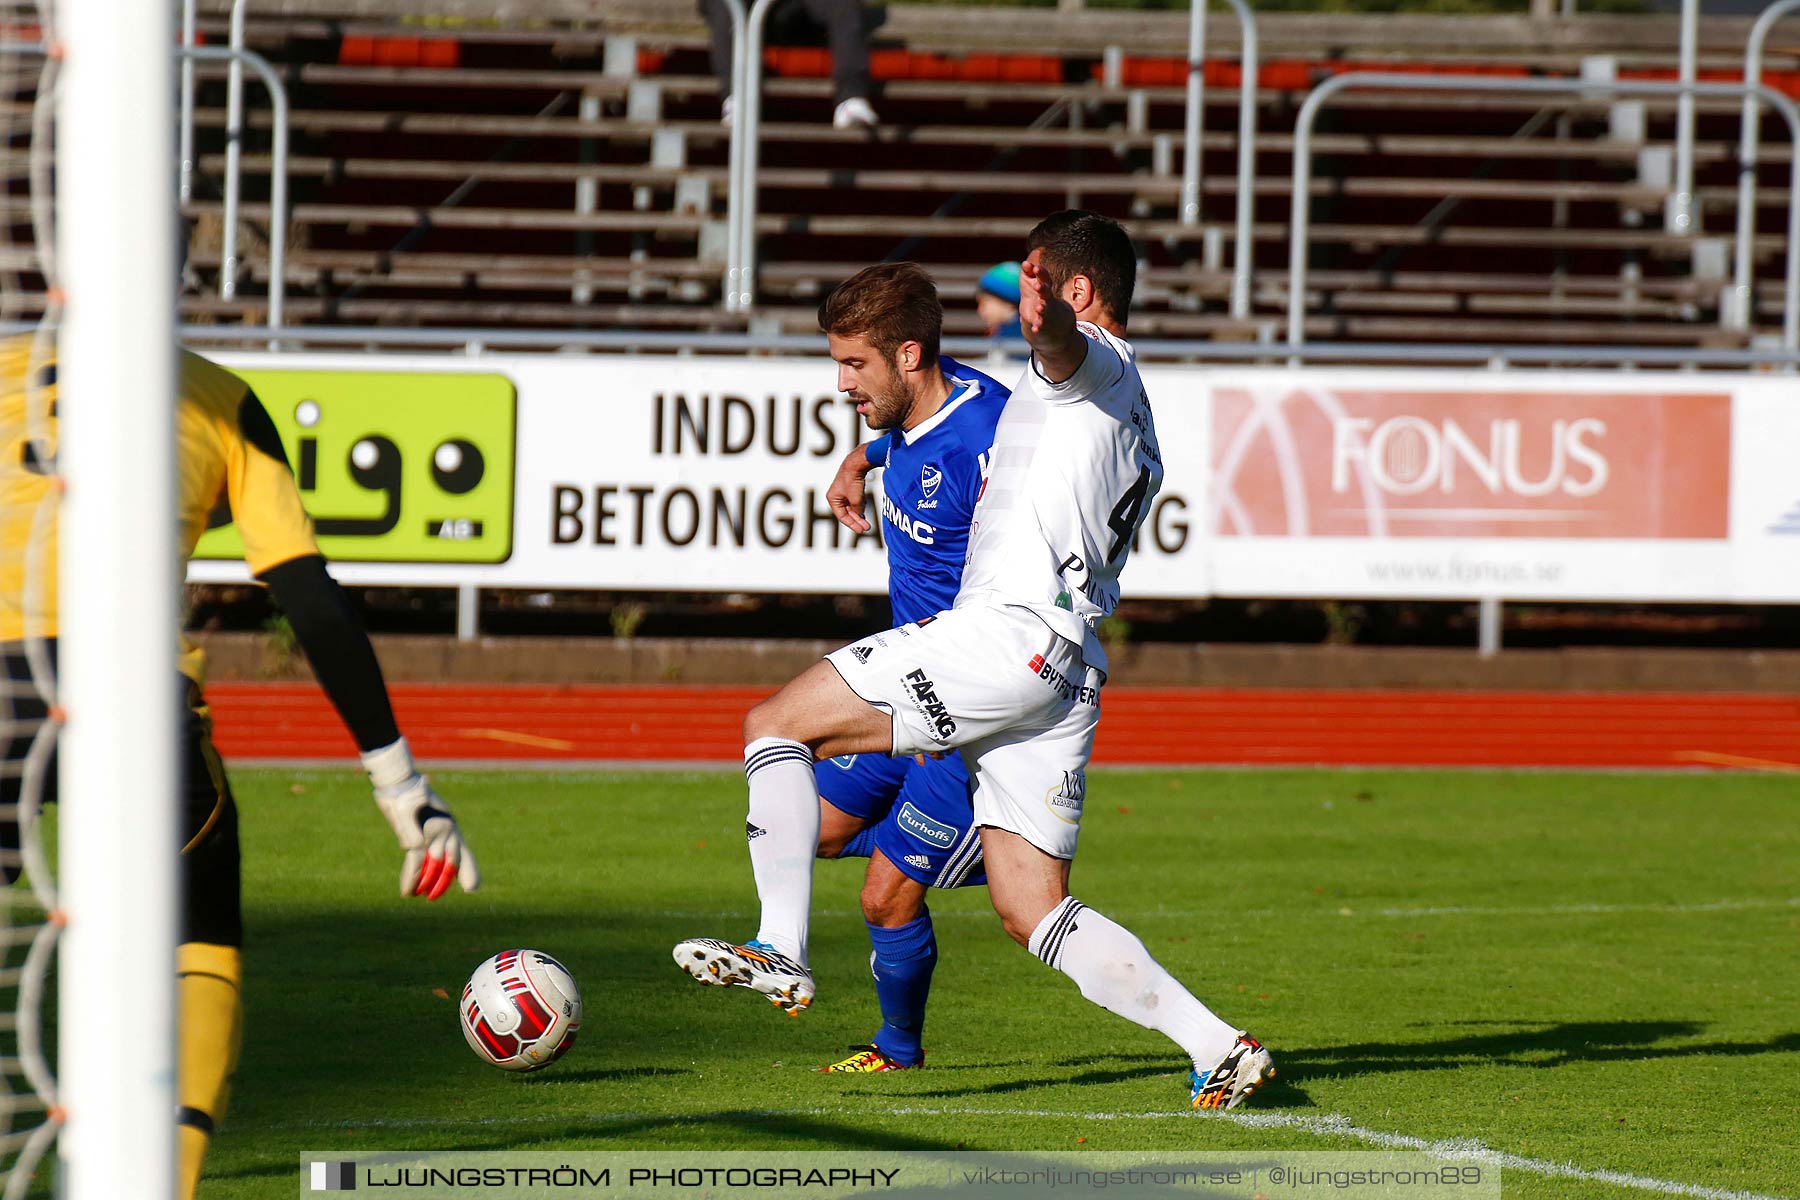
(997, 300)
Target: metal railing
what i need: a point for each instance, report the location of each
(1194, 135)
(746, 122)
(734, 251)
(479, 342)
(278, 168)
(746, 119)
(1681, 214)
(278, 173)
(1315, 101)
(189, 21)
(234, 152)
(1742, 310)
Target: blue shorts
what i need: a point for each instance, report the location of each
(924, 820)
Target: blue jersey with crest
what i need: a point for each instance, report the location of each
(929, 488)
(919, 815)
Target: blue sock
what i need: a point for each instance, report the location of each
(860, 846)
(904, 959)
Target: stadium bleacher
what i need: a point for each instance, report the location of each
(568, 170)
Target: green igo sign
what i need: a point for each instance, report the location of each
(394, 466)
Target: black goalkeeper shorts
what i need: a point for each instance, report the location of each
(211, 892)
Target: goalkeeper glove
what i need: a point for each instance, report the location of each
(435, 851)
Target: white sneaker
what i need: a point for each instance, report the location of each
(755, 965)
(853, 113)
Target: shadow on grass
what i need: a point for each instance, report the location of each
(1535, 1045)
(1546, 1045)
(1279, 1092)
(1164, 1067)
(1090, 1060)
(613, 1075)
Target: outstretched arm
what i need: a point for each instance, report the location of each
(1049, 325)
(279, 547)
(332, 637)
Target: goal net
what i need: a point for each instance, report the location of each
(28, 1120)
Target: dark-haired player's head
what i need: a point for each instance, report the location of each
(883, 325)
(1074, 244)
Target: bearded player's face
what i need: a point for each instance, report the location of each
(872, 381)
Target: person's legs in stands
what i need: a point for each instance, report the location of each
(718, 23)
(847, 34)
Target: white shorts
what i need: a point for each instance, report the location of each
(1015, 698)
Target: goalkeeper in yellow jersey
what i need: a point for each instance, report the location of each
(228, 453)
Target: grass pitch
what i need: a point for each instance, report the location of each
(1598, 971)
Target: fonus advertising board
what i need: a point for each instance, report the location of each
(1432, 484)
(393, 466)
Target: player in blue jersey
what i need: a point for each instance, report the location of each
(911, 818)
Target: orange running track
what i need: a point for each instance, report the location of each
(1161, 726)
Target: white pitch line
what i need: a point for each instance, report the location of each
(1331, 1125)
(1472, 1150)
(1559, 910)
(1436, 910)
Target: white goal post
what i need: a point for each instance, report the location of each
(116, 231)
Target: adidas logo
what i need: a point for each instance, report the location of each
(919, 861)
(752, 832)
(861, 653)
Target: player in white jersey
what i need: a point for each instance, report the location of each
(1011, 675)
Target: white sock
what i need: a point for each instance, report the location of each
(1115, 971)
(783, 829)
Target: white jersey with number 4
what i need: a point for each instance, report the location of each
(1074, 468)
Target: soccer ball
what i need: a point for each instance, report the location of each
(520, 1010)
